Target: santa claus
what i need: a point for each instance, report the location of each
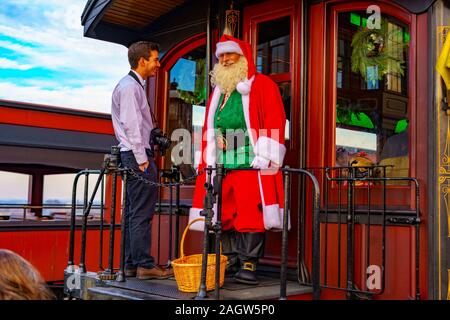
(244, 128)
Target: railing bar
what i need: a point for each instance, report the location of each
(159, 219)
(417, 227)
(368, 223)
(325, 263)
(339, 227)
(102, 201)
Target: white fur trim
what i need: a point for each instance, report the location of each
(194, 213)
(246, 109)
(228, 46)
(210, 151)
(270, 149)
(273, 218)
(272, 214)
(243, 87)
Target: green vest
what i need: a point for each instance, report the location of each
(231, 117)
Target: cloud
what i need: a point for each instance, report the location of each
(10, 64)
(91, 97)
(49, 36)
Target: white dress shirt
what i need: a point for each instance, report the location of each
(131, 117)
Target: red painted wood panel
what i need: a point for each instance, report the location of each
(33, 118)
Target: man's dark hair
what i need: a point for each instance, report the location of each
(140, 49)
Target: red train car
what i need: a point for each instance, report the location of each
(40, 142)
(365, 116)
(342, 108)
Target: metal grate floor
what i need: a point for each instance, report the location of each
(269, 288)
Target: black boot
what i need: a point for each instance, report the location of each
(229, 249)
(250, 246)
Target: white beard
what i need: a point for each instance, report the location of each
(226, 78)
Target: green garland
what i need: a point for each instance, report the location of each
(198, 96)
(371, 48)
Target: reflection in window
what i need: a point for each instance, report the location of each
(371, 109)
(285, 91)
(273, 47)
(187, 96)
(274, 58)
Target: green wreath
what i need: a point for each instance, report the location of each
(198, 96)
(371, 49)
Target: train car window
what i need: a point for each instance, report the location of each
(186, 102)
(372, 95)
(57, 196)
(273, 58)
(13, 194)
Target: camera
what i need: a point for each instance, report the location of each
(160, 139)
(111, 161)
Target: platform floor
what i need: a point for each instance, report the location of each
(135, 289)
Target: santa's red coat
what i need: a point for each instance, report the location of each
(266, 120)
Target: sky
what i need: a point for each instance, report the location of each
(44, 57)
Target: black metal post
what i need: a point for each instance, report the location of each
(159, 219)
(339, 226)
(73, 220)
(86, 212)
(350, 260)
(84, 224)
(218, 228)
(207, 213)
(177, 214)
(102, 216)
(417, 226)
(325, 260)
(170, 223)
(121, 274)
(112, 224)
(284, 241)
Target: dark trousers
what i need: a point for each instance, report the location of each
(139, 208)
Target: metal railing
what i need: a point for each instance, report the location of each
(213, 195)
(359, 196)
(25, 208)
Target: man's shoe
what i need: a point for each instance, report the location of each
(153, 273)
(247, 274)
(130, 273)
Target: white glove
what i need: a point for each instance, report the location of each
(260, 163)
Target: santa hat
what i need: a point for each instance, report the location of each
(230, 44)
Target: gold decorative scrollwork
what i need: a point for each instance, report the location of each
(232, 22)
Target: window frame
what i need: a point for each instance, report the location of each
(402, 17)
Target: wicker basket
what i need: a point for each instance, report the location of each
(188, 269)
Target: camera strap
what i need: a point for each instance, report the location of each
(134, 76)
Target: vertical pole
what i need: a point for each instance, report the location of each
(102, 216)
(159, 218)
(112, 223)
(73, 220)
(86, 212)
(209, 201)
(417, 226)
(350, 270)
(177, 214)
(84, 224)
(121, 273)
(284, 241)
(218, 228)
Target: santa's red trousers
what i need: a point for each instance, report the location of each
(241, 202)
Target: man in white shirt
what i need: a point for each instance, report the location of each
(132, 122)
